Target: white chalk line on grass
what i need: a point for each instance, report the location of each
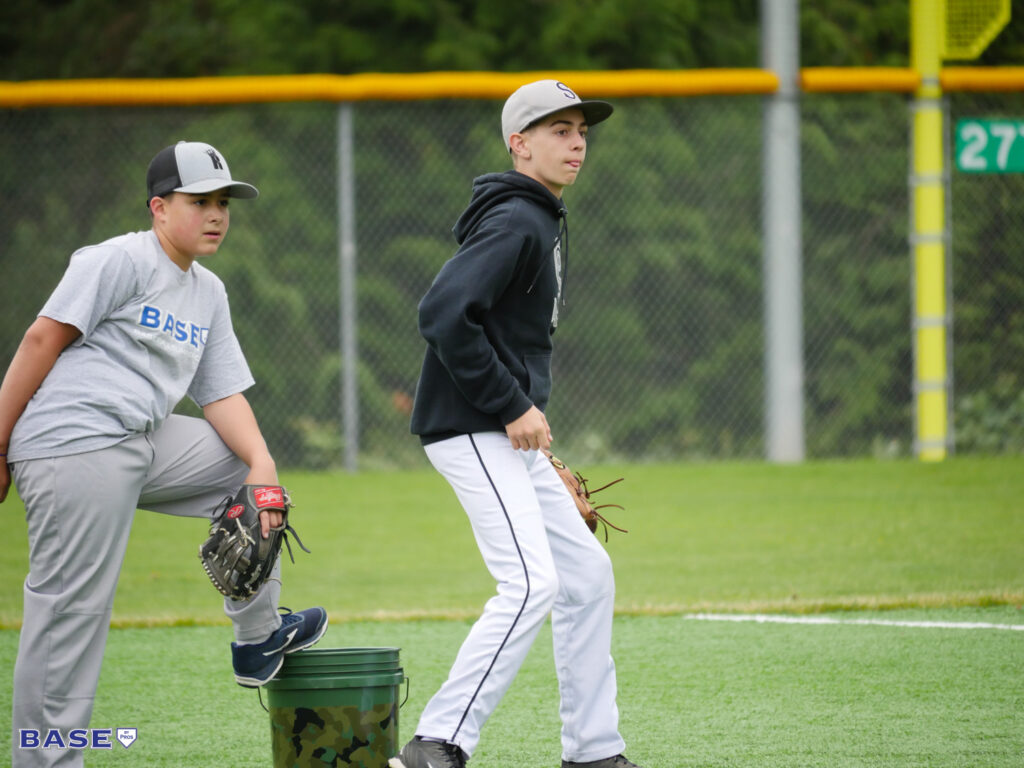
(761, 618)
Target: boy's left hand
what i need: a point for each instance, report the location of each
(268, 520)
(235, 560)
(263, 472)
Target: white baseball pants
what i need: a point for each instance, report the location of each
(545, 561)
(79, 511)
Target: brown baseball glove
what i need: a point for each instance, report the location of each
(577, 486)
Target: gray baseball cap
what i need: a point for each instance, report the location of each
(194, 167)
(539, 99)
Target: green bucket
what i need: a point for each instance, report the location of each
(335, 707)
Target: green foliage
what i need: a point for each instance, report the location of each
(992, 420)
(851, 33)
(185, 38)
(856, 275)
(669, 287)
(665, 277)
(660, 350)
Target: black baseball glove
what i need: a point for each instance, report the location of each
(235, 556)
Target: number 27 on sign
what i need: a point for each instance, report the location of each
(990, 146)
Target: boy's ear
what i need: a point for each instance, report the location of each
(519, 146)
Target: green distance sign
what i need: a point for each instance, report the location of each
(990, 146)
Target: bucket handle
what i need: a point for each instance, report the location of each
(260, 692)
(406, 693)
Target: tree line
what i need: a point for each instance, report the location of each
(43, 39)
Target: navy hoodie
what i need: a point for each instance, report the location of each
(490, 313)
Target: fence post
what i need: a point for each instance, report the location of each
(347, 289)
(783, 243)
(928, 236)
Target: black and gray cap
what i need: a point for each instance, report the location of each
(194, 167)
(541, 98)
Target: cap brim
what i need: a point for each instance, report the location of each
(596, 111)
(235, 188)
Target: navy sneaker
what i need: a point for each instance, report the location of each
(257, 663)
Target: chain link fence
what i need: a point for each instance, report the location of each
(659, 351)
(988, 294)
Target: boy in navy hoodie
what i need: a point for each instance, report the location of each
(488, 319)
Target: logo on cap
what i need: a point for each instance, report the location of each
(569, 94)
(217, 164)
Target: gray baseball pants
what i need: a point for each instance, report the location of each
(79, 511)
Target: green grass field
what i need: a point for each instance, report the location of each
(394, 563)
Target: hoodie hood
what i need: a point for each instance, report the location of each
(493, 188)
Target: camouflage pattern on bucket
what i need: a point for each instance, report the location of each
(336, 736)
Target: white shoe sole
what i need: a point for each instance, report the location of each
(252, 682)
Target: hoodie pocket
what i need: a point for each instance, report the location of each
(538, 371)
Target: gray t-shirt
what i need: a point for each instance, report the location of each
(150, 335)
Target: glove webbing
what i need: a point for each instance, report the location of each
(587, 493)
(286, 529)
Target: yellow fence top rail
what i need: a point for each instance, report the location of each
(862, 79)
(983, 78)
(480, 85)
(374, 87)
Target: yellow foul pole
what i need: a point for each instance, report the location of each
(928, 240)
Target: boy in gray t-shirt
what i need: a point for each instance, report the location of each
(86, 429)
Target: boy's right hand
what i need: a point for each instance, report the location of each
(530, 432)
